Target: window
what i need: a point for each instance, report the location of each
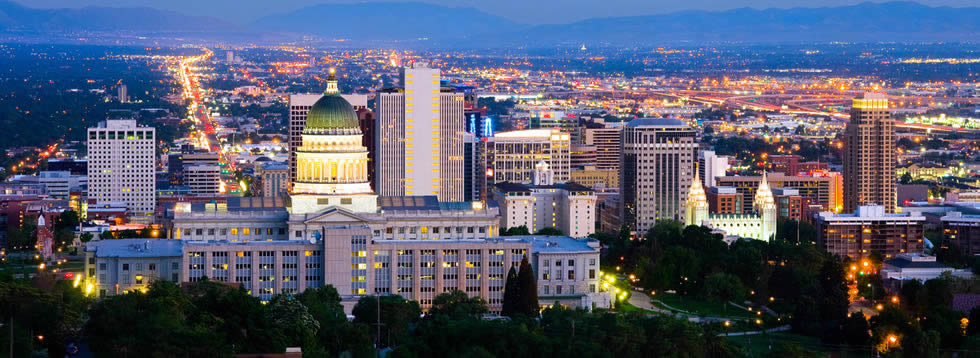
(139, 267)
(547, 263)
(571, 262)
(125, 267)
(592, 274)
(91, 260)
(546, 289)
(299, 233)
(571, 274)
(152, 267)
(173, 265)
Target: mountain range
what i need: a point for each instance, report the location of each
(398, 21)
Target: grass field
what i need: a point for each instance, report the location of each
(759, 345)
(701, 307)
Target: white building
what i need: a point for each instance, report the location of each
(59, 184)
(117, 266)
(568, 271)
(299, 106)
(203, 179)
(121, 166)
(760, 225)
(568, 207)
(512, 156)
(656, 172)
(711, 166)
(420, 138)
(919, 267)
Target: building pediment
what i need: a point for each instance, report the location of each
(334, 215)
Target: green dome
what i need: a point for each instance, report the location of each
(331, 112)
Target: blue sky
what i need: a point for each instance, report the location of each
(524, 11)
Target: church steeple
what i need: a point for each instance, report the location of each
(696, 212)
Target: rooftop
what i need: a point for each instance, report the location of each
(561, 244)
(656, 122)
(135, 248)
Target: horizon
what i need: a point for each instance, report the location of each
(526, 13)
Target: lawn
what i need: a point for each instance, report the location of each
(758, 345)
(700, 307)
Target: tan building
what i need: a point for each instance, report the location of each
(870, 229)
(593, 177)
(869, 154)
(607, 142)
(273, 177)
(820, 190)
(926, 171)
(568, 207)
(658, 166)
(512, 155)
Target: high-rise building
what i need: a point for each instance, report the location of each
(868, 230)
(299, 106)
(230, 56)
(869, 154)
(203, 179)
(512, 156)
(475, 168)
(369, 125)
(711, 166)
(123, 94)
(121, 166)
(607, 142)
(582, 155)
(568, 207)
(821, 189)
(657, 169)
(273, 177)
(420, 138)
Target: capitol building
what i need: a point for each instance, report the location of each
(332, 229)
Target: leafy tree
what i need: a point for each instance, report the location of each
(85, 237)
(912, 296)
(939, 291)
(294, 320)
(242, 319)
(947, 323)
(398, 316)
(516, 231)
(511, 293)
(458, 305)
(68, 219)
(106, 235)
(527, 302)
(335, 334)
(549, 231)
(856, 330)
(974, 326)
(724, 287)
(24, 237)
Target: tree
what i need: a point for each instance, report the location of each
(85, 237)
(516, 231)
(549, 231)
(913, 297)
(243, 323)
(23, 237)
(294, 320)
(336, 334)
(398, 316)
(939, 291)
(106, 235)
(510, 293)
(725, 287)
(856, 330)
(68, 219)
(457, 305)
(527, 303)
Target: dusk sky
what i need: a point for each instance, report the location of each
(525, 11)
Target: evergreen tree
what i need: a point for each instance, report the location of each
(510, 293)
(527, 290)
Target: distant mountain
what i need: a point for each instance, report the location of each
(891, 21)
(386, 21)
(141, 20)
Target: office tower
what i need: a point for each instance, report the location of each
(791, 164)
(123, 95)
(582, 155)
(299, 106)
(724, 200)
(568, 207)
(230, 56)
(60, 184)
(607, 142)
(869, 154)
(711, 166)
(369, 125)
(121, 166)
(273, 176)
(420, 138)
(475, 168)
(512, 156)
(203, 179)
(870, 229)
(657, 170)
